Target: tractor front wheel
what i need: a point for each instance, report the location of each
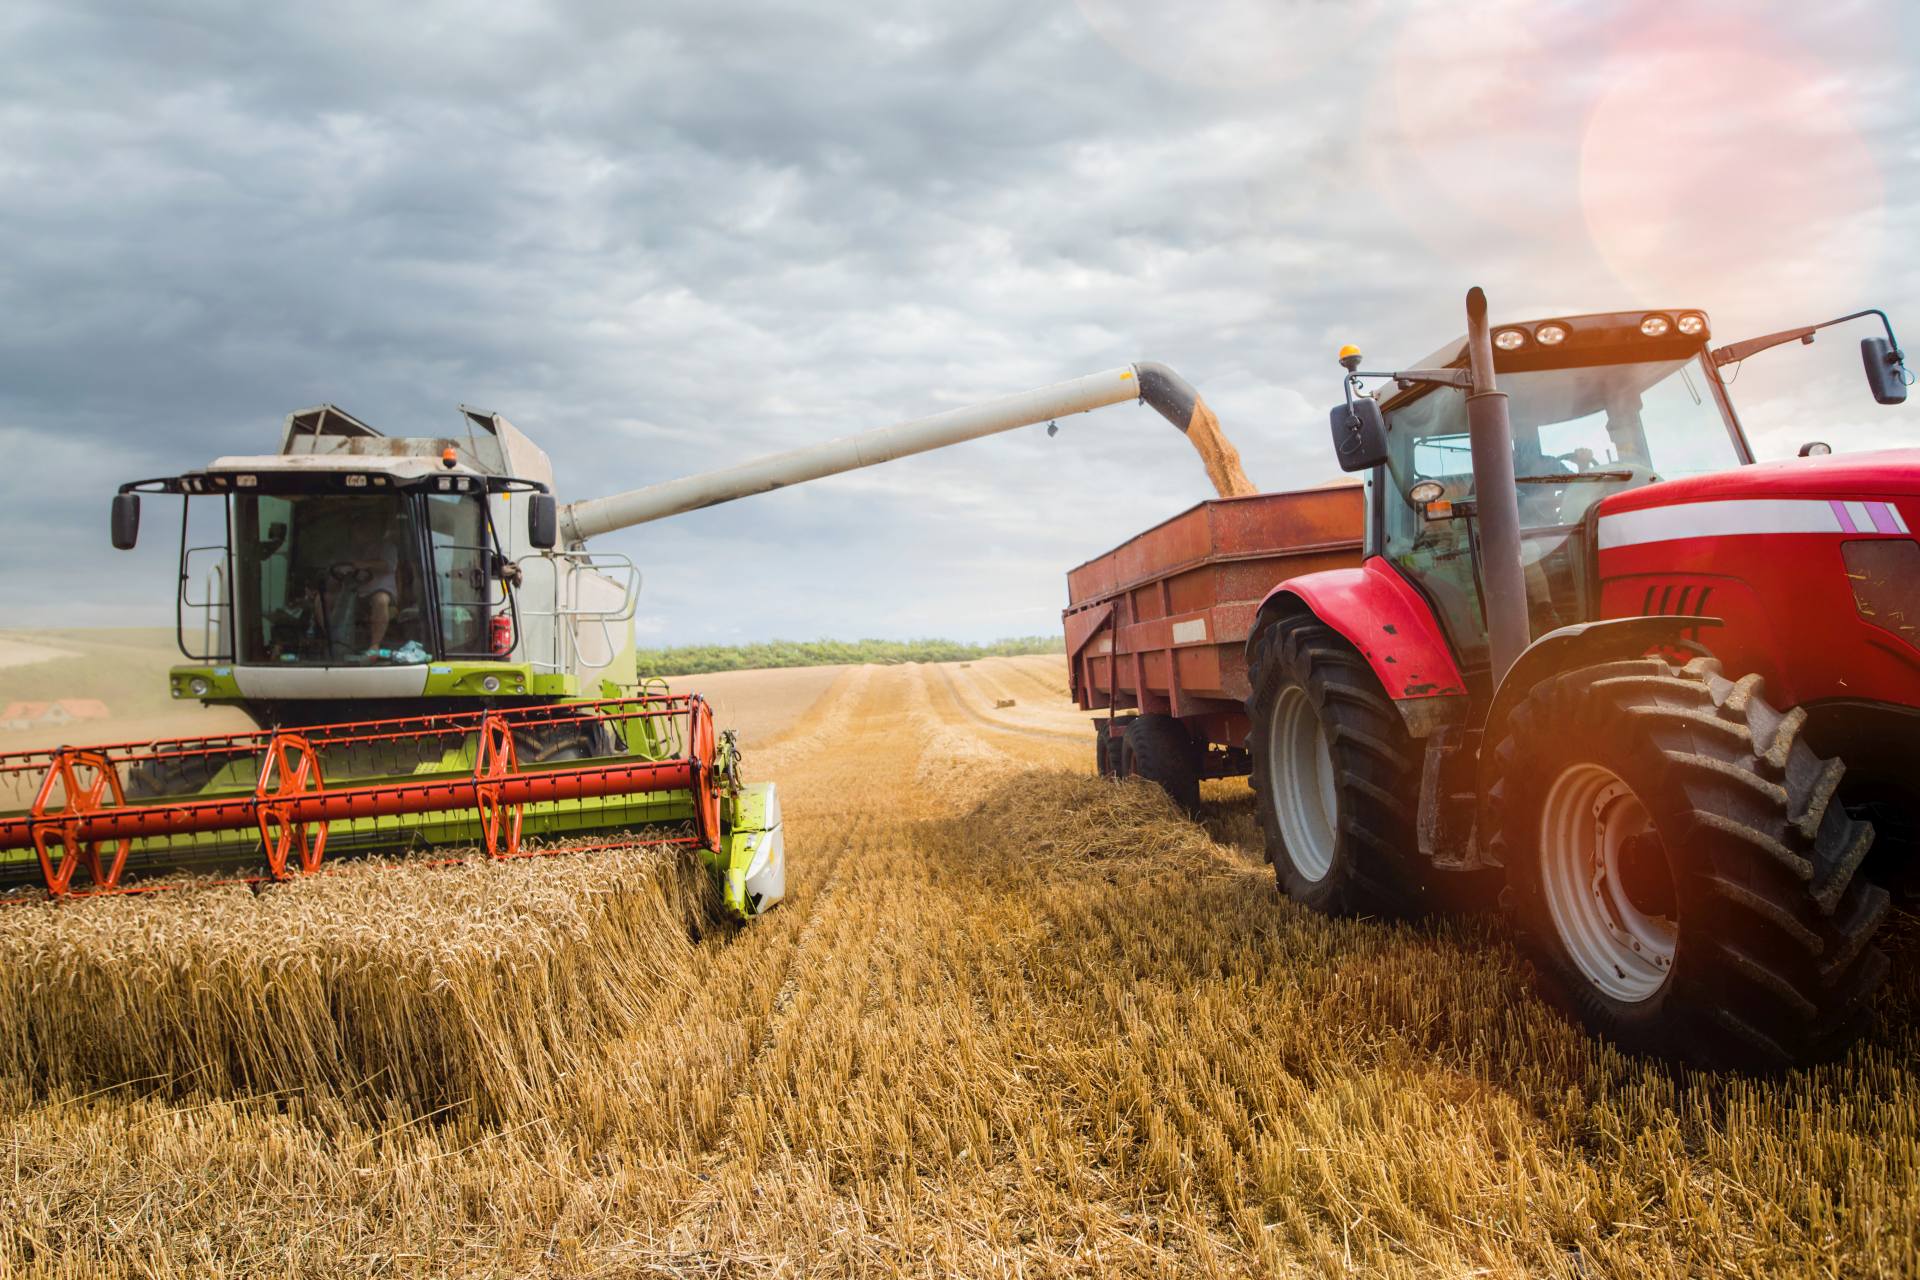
(1335, 775)
(1682, 876)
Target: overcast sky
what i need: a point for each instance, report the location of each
(666, 242)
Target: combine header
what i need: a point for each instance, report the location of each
(459, 778)
(435, 658)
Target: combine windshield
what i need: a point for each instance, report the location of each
(326, 579)
(1578, 435)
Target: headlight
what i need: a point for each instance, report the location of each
(1550, 335)
(1655, 326)
(1510, 339)
(491, 684)
(1693, 324)
(1424, 491)
(201, 686)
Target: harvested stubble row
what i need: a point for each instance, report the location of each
(1015, 1022)
(411, 988)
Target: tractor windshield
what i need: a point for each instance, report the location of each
(1578, 435)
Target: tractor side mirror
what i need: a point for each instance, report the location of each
(1886, 370)
(1359, 434)
(543, 521)
(126, 520)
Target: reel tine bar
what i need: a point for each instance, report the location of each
(81, 810)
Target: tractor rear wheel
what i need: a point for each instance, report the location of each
(1334, 773)
(1159, 749)
(1682, 876)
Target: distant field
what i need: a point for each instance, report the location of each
(124, 668)
(127, 670)
(693, 659)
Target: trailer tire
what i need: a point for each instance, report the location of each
(1102, 752)
(1682, 875)
(1338, 821)
(1159, 749)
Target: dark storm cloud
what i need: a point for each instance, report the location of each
(669, 240)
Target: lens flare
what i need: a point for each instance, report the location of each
(1712, 172)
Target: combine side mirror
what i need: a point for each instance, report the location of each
(543, 521)
(1886, 372)
(1359, 434)
(126, 520)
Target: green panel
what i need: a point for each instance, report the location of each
(457, 679)
(218, 681)
(752, 811)
(752, 807)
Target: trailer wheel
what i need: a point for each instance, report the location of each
(1159, 749)
(1334, 774)
(1682, 875)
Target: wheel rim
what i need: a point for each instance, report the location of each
(1300, 766)
(1589, 819)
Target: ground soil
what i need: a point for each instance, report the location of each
(1013, 1021)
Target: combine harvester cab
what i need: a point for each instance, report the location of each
(1579, 651)
(435, 658)
(427, 670)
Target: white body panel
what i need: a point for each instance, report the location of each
(331, 682)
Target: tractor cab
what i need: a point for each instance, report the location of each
(1657, 700)
(1598, 404)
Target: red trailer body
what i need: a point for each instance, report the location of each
(1160, 623)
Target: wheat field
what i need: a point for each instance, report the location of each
(1011, 1021)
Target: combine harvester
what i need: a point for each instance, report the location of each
(435, 658)
(1569, 644)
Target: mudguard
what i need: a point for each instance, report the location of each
(1580, 645)
(1384, 618)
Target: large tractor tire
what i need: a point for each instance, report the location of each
(1335, 775)
(1682, 875)
(1159, 749)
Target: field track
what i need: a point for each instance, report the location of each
(1013, 1021)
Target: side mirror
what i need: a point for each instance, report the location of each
(1359, 434)
(1886, 374)
(126, 520)
(543, 521)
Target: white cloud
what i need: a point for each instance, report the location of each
(673, 240)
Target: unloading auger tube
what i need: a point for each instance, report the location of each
(1147, 381)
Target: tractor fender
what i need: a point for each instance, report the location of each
(1392, 627)
(1579, 645)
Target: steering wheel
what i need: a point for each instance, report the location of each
(346, 571)
(1577, 498)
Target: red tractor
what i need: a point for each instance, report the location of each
(1659, 695)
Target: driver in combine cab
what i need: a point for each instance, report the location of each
(376, 555)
